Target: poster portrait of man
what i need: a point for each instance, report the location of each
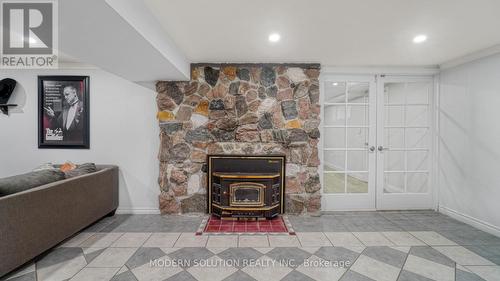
(63, 112)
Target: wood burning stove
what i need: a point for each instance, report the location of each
(246, 186)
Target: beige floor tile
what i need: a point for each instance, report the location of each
(131, 240)
(356, 249)
(191, 240)
(313, 239)
(154, 273)
(76, 240)
(375, 269)
(264, 250)
(87, 251)
(162, 240)
(217, 250)
(461, 267)
(101, 240)
(432, 238)
(63, 270)
(220, 241)
(373, 239)
(267, 271)
(95, 274)
(462, 255)
(310, 250)
(122, 270)
(254, 241)
(212, 273)
(169, 250)
(488, 273)
(429, 269)
(312, 268)
(343, 239)
(113, 257)
(403, 238)
(283, 241)
(404, 249)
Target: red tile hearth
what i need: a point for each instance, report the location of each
(216, 225)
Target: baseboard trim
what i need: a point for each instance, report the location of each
(333, 212)
(138, 211)
(477, 223)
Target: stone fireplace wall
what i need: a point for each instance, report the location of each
(239, 109)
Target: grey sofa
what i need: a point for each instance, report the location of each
(35, 220)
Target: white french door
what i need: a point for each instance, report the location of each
(404, 122)
(376, 142)
(349, 136)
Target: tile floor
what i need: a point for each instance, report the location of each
(406, 246)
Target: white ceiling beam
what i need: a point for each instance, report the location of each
(121, 37)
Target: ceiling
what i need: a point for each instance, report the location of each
(121, 37)
(330, 32)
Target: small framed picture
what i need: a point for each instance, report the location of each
(63, 112)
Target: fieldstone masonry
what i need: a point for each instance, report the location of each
(239, 109)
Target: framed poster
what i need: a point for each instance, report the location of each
(63, 112)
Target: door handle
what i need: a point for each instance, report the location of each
(372, 148)
(381, 148)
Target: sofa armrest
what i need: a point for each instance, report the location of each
(35, 220)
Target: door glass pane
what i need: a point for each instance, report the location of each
(334, 160)
(394, 160)
(357, 137)
(335, 115)
(357, 183)
(335, 92)
(418, 160)
(394, 138)
(417, 183)
(344, 168)
(407, 137)
(357, 160)
(357, 115)
(394, 93)
(394, 115)
(357, 92)
(417, 115)
(334, 183)
(417, 138)
(394, 182)
(334, 137)
(418, 92)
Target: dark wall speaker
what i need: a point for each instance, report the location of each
(7, 86)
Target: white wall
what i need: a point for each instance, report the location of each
(123, 132)
(469, 143)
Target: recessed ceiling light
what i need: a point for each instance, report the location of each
(335, 84)
(420, 39)
(274, 37)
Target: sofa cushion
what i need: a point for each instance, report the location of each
(46, 166)
(82, 169)
(18, 183)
